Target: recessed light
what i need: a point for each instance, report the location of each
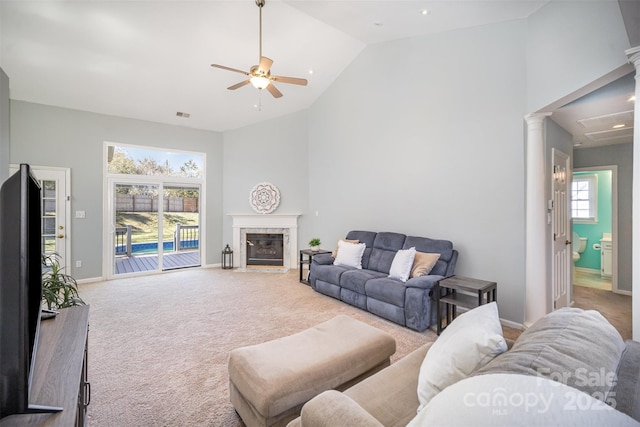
(425, 11)
(310, 71)
(183, 114)
(621, 125)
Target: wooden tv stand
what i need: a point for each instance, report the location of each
(60, 376)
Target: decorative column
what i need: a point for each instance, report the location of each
(634, 57)
(537, 292)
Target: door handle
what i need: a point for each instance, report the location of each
(567, 242)
(60, 236)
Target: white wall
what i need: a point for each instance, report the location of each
(571, 44)
(424, 136)
(50, 136)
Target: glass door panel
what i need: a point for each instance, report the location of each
(137, 228)
(181, 226)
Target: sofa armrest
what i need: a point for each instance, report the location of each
(423, 282)
(333, 408)
(323, 259)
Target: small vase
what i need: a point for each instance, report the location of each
(315, 248)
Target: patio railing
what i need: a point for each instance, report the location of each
(185, 237)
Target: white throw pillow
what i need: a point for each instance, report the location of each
(402, 264)
(471, 341)
(350, 254)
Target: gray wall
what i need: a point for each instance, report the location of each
(622, 156)
(424, 136)
(569, 45)
(4, 126)
(274, 151)
(50, 136)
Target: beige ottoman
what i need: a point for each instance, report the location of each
(270, 382)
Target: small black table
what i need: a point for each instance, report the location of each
(485, 292)
(306, 256)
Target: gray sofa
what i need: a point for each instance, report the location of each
(571, 360)
(407, 303)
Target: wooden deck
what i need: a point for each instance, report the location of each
(172, 260)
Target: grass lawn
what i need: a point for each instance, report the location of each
(144, 225)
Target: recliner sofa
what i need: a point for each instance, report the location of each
(407, 303)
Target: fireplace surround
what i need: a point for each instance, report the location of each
(285, 224)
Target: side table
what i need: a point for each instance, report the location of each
(306, 256)
(483, 290)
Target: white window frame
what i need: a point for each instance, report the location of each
(592, 180)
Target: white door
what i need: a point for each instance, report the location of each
(561, 230)
(55, 214)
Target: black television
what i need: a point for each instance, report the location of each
(20, 290)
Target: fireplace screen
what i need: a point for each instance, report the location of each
(264, 249)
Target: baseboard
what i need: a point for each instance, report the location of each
(622, 292)
(511, 324)
(587, 270)
(90, 280)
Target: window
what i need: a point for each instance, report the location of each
(130, 160)
(584, 198)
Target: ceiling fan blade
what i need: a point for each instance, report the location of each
(265, 65)
(239, 85)
(292, 80)
(274, 91)
(230, 69)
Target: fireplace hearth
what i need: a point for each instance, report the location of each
(265, 249)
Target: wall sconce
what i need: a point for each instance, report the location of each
(227, 258)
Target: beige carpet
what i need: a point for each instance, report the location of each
(158, 344)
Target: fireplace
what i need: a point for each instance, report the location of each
(265, 249)
(284, 224)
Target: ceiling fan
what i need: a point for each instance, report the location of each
(260, 75)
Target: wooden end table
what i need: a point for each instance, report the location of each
(483, 292)
(306, 256)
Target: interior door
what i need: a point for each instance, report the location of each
(55, 214)
(561, 230)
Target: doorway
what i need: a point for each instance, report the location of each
(54, 184)
(596, 265)
(153, 220)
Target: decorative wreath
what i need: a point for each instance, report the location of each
(264, 198)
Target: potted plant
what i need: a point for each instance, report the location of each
(315, 244)
(59, 290)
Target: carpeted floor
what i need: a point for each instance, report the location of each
(158, 344)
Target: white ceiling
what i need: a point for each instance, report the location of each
(150, 59)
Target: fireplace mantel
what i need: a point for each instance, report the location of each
(266, 223)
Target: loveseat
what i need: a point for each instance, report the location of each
(560, 371)
(370, 288)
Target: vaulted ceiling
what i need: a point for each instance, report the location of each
(151, 60)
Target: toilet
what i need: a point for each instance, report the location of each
(578, 245)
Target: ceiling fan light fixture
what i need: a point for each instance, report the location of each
(260, 82)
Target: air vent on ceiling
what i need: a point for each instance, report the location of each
(612, 135)
(608, 120)
(182, 114)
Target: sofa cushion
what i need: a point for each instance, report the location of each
(423, 263)
(366, 237)
(356, 279)
(387, 290)
(329, 273)
(516, 400)
(443, 247)
(471, 341)
(350, 254)
(402, 264)
(384, 249)
(562, 346)
(627, 389)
